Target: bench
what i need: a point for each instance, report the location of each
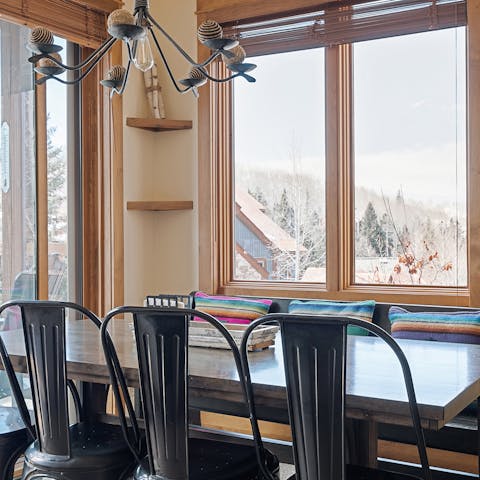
(458, 440)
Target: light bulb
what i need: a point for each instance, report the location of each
(143, 58)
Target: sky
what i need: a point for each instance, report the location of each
(57, 103)
(409, 114)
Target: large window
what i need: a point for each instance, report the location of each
(358, 117)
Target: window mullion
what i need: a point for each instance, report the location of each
(346, 167)
(339, 166)
(42, 192)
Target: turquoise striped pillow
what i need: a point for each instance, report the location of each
(362, 310)
(462, 326)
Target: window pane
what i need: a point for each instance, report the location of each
(58, 195)
(17, 171)
(17, 182)
(410, 160)
(279, 152)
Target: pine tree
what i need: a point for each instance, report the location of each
(56, 178)
(283, 214)
(372, 231)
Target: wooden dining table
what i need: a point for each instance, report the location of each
(446, 378)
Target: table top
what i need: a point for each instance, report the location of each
(446, 375)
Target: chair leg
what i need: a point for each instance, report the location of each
(10, 468)
(8, 458)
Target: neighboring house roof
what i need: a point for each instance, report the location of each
(251, 213)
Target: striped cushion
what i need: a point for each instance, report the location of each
(362, 310)
(459, 327)
(232, 309)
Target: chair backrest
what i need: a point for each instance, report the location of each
(314, 350)
(45, 347)
(162, 348)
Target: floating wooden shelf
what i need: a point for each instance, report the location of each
(159, 124)
(161, 206)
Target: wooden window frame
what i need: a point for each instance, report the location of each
(216, 189)
(101, 153)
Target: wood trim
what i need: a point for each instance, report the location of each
(473, 146)
(161, 206)
(42, 191)
(102, 5)
(159, 124)
(225, 11)
(207, 182)
(346, 166)
(220, 421)
(332, 174)
(317, 290)
(92, 188)
(226, 194)
(461, 462)
(113, 224)
(102, 187)
(75, 21)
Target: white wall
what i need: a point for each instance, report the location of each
(161, 248)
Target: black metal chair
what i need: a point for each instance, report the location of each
(85, 450)
(16, 430)
(162, 348)
(314, 350)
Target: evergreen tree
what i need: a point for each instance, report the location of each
(284, 214)
(56, 178)
(371, 230)
(390, 236)
(259, 196)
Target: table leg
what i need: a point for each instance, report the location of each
(361, 442)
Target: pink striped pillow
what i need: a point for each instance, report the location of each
(231, 309)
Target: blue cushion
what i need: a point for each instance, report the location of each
(361, 310)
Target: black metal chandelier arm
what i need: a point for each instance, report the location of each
(100, 52)
(75, 80)
(164, 59)
(208, 61)
(169, 37)
(221, 80)
(131, 52)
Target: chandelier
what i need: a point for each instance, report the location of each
(136, 31)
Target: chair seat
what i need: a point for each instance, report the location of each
(93, 446)
(209, 459)
(10, 420)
